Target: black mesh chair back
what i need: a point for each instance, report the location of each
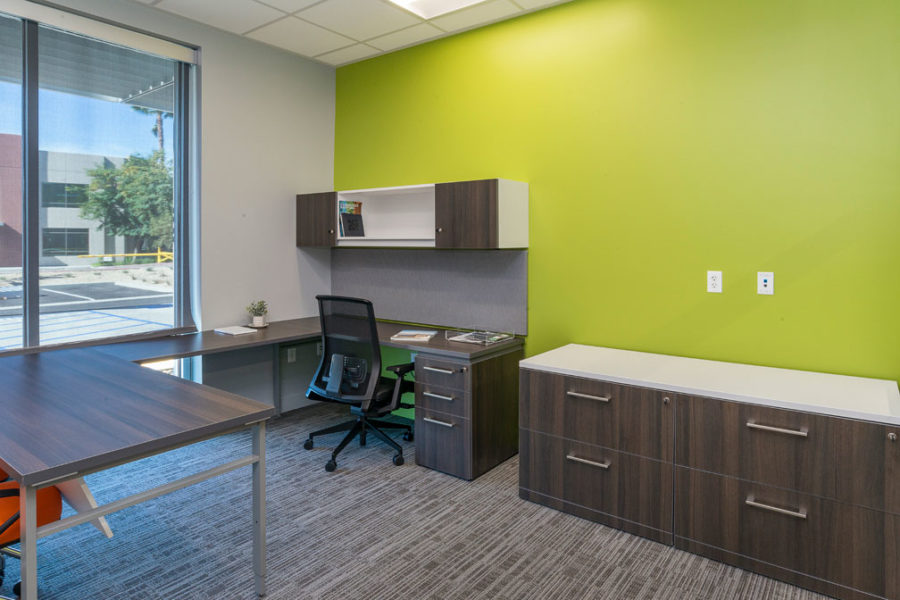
(351, 355)
(350, 372)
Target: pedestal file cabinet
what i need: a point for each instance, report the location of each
(792, 474)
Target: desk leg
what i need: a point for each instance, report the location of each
(259, 508)
(28, 545)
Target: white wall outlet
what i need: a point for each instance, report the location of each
(714, 282)
(292, 355)
(765, 283)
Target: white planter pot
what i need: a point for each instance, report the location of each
(259, 321)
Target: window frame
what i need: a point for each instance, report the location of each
(185, 201)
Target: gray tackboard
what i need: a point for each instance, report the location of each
(466, 289)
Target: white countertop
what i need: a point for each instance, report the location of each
(854, 397)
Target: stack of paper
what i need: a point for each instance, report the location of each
(413, 335)
(235, 330)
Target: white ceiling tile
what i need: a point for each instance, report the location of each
(405, 37)
(480, 14)
(236, 16)
(299, 36)
(347, 55)
(359, 19)
(288, 5)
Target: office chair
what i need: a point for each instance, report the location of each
(49, 508)
(350, 373)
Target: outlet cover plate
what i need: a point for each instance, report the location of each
(765, 283)
(714, 282)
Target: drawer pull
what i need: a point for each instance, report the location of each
(578, 459)
(797, 514)
(438, 396)
(439, 370)
(588, 396)
(797, 432)
(436, 422)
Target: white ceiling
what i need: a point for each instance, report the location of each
(338, 32)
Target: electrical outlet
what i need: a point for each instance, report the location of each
(765, 283)
(714, 282)
(318, 348)
(291, 355)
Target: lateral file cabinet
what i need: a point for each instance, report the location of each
(661, 446)
(598, 450)
(466, 412)
(803, 497)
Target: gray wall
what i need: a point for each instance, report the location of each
(267, 133)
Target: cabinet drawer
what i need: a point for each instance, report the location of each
(785, 448)
(867, 465)
(602, 480)
(445, 373)
(620, 417)
(830, 540)
(446, 400)
(444, 443)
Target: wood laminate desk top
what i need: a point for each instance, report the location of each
(76, 411)
(293, 330)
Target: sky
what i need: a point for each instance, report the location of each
(70, 123)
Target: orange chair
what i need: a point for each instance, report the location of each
(3, 475)
(49, 508)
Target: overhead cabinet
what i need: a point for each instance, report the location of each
(484, 214)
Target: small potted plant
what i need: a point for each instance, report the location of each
(258, 311)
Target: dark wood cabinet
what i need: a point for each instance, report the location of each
(316, 219)
(598, 450)
(466, 215)
(621, 417)
(785, 448)
(827, 546)
(466, 412)
(614, 488)
(486, 214)
(795, 494)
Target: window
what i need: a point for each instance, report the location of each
(93, 244)
(63, 195)
(64, 242)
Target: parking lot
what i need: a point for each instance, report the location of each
(82, 311)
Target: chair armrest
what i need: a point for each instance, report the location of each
(401, 370)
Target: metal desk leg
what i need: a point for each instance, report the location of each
(28, 543)
(259, 508)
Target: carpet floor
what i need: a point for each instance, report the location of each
(369, 531)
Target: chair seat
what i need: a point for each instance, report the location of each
(49, 507)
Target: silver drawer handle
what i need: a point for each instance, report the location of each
(797, 514)
(438, 396)
(441, 371)
(588, 396)
(578, 459)
(436, 422)
(797, 432)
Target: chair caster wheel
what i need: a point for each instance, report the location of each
(330, 466)
(362, 440)
(308, 445)
(409, 436)
(17, 589)
(398, 459)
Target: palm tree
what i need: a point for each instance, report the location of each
(158, 127)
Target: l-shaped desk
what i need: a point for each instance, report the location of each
(466, 394)
(68, 413)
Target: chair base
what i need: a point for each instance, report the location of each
(361, 426)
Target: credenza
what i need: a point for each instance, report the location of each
(791, 474)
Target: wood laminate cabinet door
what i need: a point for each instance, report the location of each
(316, 219)
(466, 214)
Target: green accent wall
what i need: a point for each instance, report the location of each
(663, 138)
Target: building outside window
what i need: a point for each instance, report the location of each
(106, 193)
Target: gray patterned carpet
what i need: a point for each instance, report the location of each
(368, 531)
